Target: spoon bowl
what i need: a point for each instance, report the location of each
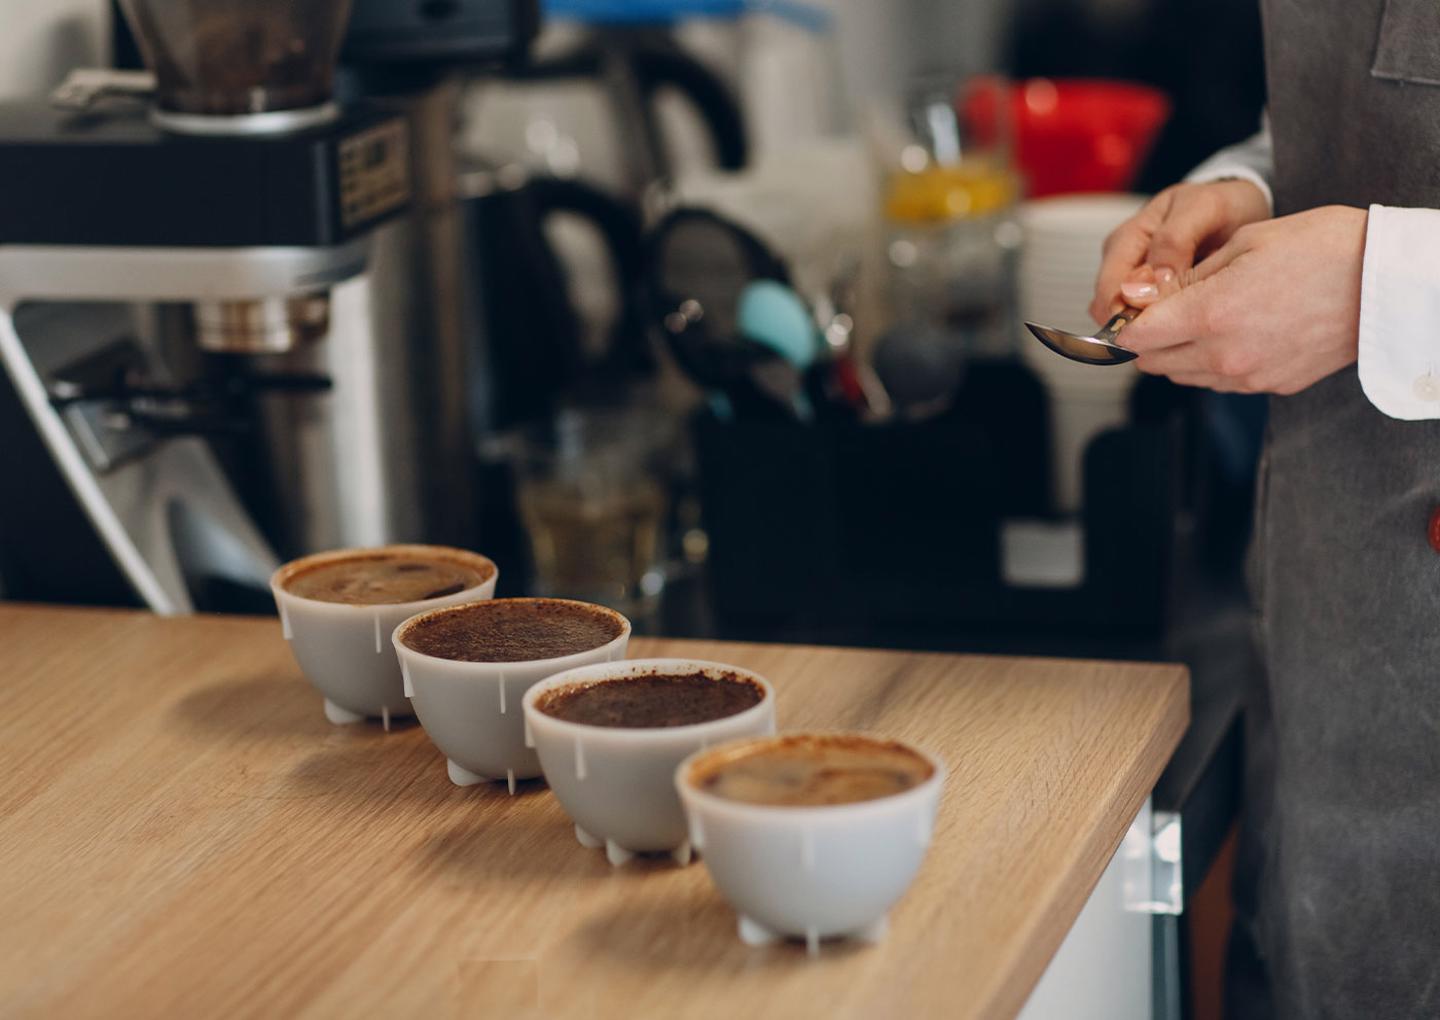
(1100, 349)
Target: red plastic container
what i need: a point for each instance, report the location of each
(1070, 135)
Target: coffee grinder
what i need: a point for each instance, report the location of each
(215, 349)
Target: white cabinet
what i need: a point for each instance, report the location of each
(1104, 969)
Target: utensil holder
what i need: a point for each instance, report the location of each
(901, 523)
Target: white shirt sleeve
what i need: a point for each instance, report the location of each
(1400, 312)
(1252, 160)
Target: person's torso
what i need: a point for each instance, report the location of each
(1354, 99)
(1349, 589)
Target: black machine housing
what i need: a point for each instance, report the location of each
(110, 177)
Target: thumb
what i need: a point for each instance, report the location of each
(1176, 320)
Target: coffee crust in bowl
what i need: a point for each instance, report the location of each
(802, 770)
(386, 575)
(653, 700)
(512, 630)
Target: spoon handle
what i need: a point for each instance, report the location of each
(1117, 322)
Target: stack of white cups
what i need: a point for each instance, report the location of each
(1057, 281)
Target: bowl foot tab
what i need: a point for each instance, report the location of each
(681, 854)
(616, 854)
(461, 776)
(341, 716)
(586, 840)
(753, 933)
(510, 780)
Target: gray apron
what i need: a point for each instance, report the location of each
(1339, 879)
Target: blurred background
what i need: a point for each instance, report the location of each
(850, 438)
(709, 310)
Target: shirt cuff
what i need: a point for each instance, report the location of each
(1219, 169)
(1399, 343)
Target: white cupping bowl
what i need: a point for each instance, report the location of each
(345, 650)
(618, 784)
(472, 710)
(810, 872)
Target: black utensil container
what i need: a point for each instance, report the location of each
(901, 523)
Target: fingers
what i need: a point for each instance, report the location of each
(1124, 251)
(1195, 216)
(1199, 382)
(1177, 320)
(1191, 300)
(1187, 365)
(1193, 330)
(1176, 229)
(1223, 256)
(1196, 339)
(1203, 381)
(1218, 383)
(1140, 288)
(1184, 360)
(1146, 285)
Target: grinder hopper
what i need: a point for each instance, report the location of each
(244, 68)
(217, 62)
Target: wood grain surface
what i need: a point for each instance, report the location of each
(183, 834)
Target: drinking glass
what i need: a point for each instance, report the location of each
(593, 497)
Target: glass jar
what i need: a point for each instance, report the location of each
(952, 238)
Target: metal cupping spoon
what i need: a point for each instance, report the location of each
(1100, 349)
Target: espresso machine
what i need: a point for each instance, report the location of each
(233, 318)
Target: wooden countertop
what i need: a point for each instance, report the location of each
(183, 834)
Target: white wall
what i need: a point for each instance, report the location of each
(42, 39)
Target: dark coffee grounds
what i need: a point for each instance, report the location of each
(652, 701)
(513, 630)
